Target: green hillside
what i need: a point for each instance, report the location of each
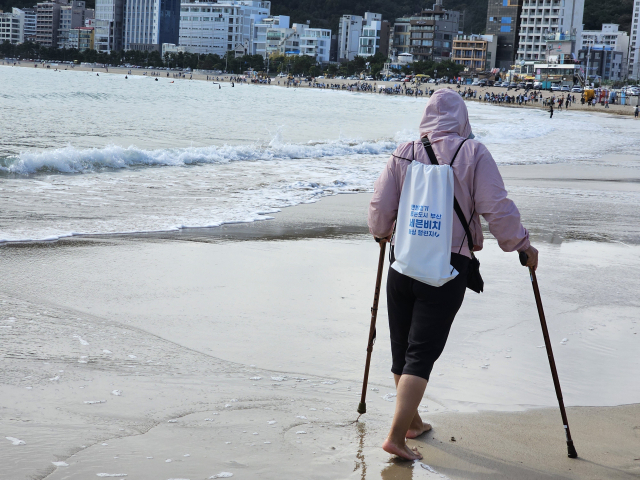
(325, 13)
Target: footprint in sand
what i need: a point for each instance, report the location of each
(117, 393)
(60, 464)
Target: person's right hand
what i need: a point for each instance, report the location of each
(532, 257)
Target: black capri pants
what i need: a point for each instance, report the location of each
(420, 318)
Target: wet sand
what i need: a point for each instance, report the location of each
(117, 349)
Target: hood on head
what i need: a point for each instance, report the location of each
(446, 114)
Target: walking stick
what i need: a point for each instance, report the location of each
(362, 406)
(552, 363)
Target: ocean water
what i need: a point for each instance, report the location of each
(89, 154)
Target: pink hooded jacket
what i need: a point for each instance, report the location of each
(478, 184)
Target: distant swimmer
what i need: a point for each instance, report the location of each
(125, 77)
(156, 79)
(172, 81)
(97, 74)
(220, 88)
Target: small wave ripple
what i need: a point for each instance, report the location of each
(74, 160)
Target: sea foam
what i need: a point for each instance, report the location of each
(73, 160)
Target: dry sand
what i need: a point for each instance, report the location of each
(240, 350)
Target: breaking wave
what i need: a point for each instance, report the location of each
(74, 160)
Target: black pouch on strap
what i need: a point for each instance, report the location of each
(474, 279)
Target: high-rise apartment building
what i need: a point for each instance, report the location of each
(349, 32)
(375, 36)
(634, 48)
(30, 24)
(47, 21)
(219, 27)
(150, 23)
(503, 21)
(432, 33)
(72, 15)
(543, 19)
(108, 32)
(12, 26)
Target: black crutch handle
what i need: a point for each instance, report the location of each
(524, 258)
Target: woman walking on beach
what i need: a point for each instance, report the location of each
(420, 315)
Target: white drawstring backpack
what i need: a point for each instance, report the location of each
(424, 226)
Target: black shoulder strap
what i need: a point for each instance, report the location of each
(456, 205)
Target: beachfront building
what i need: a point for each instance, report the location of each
(109, 15)
(260, 29)
(349, 32)
(30, 23)
(81, 38)
(301, 39)
(72, 15)
(314, 42)
(432, 33)
(400, 37)
(375, 37)
(220, 27)
(362, 36)
(12, 26)
(610, 35)
(47, 21)
(604, 62)
(427, 35)
(503, 21)
(634, 47)
(556, 74)
(150, 23)
(477, 53)
(541, 18)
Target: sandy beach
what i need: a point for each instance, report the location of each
(281, 82)
(240, 350)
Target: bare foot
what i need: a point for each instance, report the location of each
(415, 432)
(402, 451)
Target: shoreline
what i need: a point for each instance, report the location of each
(269, 387)
(622, 110)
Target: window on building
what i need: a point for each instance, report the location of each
(506, 20)
(505, 29)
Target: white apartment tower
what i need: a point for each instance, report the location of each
(30, 23)
(260, 29)
(634, 48)
(12, 26)
(349, 32)
(219, 27)
(541, 19)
